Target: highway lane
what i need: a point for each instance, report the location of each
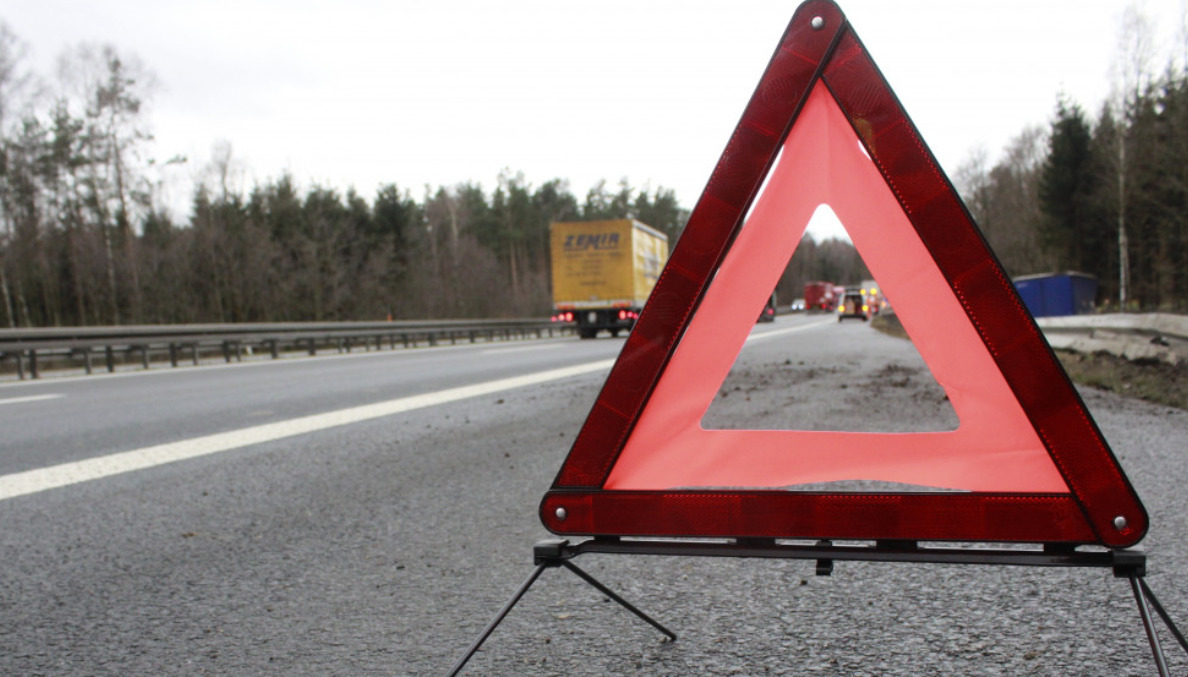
(198, 567)
(70, 419)
(382, 547)
(87, 417)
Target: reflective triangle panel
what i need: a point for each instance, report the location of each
(1026, 462)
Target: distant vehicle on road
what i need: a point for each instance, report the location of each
(874, 297)
(853, 305)
(818, 296)
(603, 272)
(769, 310)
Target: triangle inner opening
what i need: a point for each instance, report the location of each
(833, 356)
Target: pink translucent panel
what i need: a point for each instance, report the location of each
(994, 447)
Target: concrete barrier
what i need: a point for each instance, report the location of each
(1148, 336)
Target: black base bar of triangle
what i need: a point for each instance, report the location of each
(1130, 563)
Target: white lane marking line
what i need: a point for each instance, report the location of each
(30, 398)
(780, 332)
(53, 477)
(522, 349)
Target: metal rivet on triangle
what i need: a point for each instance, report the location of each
(817, 23)
(1119, 523)
(561, 514)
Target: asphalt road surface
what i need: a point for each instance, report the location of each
(367, 515)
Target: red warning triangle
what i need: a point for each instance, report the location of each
(1026, 463)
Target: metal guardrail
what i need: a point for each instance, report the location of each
(31, 349)
(1152, 336)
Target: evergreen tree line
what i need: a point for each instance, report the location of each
(282, 254)
(830, 260)
(1105, 195)
(85, 239)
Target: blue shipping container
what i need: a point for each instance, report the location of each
(1055, 294)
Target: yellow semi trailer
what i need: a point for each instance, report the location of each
(603, 272)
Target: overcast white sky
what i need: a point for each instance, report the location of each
(366, 92)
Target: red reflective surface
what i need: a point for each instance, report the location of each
(781, 514)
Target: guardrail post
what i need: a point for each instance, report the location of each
(87, 360)
(144, 355)
(432, 339)
(272, 349)
(109, 357)
(33, 364)
(20, 358)
(194, 353)
(404, 339)
(173, 354)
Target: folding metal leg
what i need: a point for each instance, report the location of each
(551, 554)
(1142, 596)
(1163, 614)
(622, 602)
(1152, 636)
(498, 619)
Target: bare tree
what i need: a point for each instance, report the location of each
(108, 90)
(1131, 74)
(972, 180)
(223, 167)
(1004, 202)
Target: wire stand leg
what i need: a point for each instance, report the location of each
(498, 619)
(1163, 614)
(622, 602)
(1137, 586)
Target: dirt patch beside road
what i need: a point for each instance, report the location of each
(1150, 380)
